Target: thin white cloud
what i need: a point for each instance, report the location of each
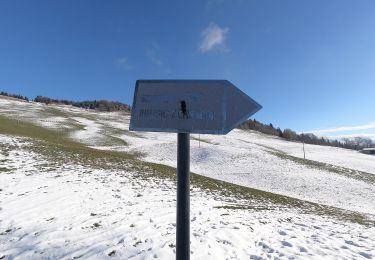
(351, 136)
(124, 63)
(153, 54)
(213, 37)
(344, 128)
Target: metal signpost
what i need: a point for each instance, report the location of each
(184, 107)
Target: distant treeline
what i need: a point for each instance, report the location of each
(14, 96)
(356, 143)
(101, 105)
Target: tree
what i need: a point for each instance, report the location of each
(289, 134)
(279, 132)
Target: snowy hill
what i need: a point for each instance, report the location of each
(77, 184)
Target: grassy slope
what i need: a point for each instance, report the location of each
(57, 148)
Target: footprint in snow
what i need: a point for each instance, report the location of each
(267, 248)
(366, 255)
(286, 243)
(349, 242)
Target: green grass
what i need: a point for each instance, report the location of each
(49, 111)
(57, 146)
(58, 149)
(111, 140)
(71, 125)
(109, 130)
(3, 169)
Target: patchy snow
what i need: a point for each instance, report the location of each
(70, 211)
(241, 157)
(90, 131)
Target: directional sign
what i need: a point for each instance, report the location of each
(184, 107)
(189, 106)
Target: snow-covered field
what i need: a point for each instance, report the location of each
(53, 210)
(71, 212)
(238, 158)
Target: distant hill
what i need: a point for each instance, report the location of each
(101, 105)
(356, 143)
(15, 96)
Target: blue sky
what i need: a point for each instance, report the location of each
(311, 64)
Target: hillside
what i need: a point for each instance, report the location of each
(78, 184)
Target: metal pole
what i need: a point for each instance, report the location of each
(183, 197)
(304, 154)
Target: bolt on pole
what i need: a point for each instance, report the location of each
(183, 197)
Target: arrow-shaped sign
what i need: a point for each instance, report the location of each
(189, 106)
(183, 107)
